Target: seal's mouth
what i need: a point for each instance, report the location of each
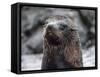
(52, 39)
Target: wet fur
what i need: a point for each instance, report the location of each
(66, 55)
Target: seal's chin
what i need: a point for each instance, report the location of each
(53, 39)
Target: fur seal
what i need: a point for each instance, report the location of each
(61, 44)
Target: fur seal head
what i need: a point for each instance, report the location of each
(57, 28)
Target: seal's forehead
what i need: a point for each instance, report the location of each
(57, 22)
(58, 19)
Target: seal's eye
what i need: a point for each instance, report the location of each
(63, 27)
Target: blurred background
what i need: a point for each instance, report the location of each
(32, 19)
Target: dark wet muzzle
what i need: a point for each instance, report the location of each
(52, 38)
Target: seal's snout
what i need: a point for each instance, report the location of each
(49, 28)
(51, 36)
(50, 31)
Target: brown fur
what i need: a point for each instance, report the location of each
(65, 52)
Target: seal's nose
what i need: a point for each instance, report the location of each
(49, 28)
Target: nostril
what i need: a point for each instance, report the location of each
(49, 28)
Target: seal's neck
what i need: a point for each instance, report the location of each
(54, 58)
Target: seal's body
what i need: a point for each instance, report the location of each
(61, 48)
